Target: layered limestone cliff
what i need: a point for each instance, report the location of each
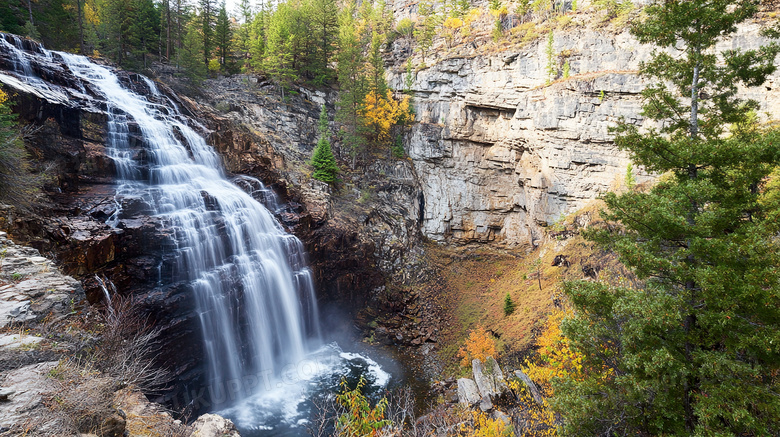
(500, 154)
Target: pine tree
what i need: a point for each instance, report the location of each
(351, 82)
(549, 52)
(375, 68)
(208, 9)
(279, 59)
(223, 36)
(258, 38)
(509, 305)
(244, 32)
(426, 30)
(696, 348)
(143, 30)
(324, 22)
(323, 161)
(190, 56)
(17, 185)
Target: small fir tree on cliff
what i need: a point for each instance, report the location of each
(325, 167)
(695, 350)
(509, 305)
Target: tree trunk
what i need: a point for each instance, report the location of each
(81, 27)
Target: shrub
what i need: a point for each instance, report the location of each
(479, 345)
(17, 184)
(359, 418)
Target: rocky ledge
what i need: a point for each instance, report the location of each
(50, 383)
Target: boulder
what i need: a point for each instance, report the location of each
(489, 378)
(537, 395)
(468, 393)
(212, 425)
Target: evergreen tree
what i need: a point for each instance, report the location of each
(17, 185)
(696, 348)
(325, 167)
(351, 82)
(223, 36)
(324, 20)
(12, 20)
(426, 30)
(244, 31)
(279, 59)
(258, 38)
(509, 305)
(190, 55)
(143, 30)
(208, 9)
(375, 68)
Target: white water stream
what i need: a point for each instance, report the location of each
(254, 292)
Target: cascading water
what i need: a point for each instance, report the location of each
(250, 279)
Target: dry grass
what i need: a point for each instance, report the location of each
(476, 280)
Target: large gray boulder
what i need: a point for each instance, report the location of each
(468, 393)
(489, 378)
(212, 425)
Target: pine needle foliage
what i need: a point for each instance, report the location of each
(509, 305)
(323, 161)
(17, 184)
(696, 349)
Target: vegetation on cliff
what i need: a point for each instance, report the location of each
(325, 167)
(17, 185)
(692, 349)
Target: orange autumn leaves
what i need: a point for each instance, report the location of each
(383, 112)
(479, 345)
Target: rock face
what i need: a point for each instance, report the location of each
(356, 237)
(487, 387)
(29, 385)
(468, 393)
(33, 288)
(499, 154)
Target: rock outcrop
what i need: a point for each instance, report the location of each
(499, 154)
(487, 388)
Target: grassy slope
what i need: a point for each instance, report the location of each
(473, 281)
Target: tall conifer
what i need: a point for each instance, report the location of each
(696, 348)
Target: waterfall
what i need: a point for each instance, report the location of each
(253, 291)
(250, 279)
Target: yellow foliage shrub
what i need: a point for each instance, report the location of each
(479, 345)
(485, 426)
(453, 23)
(472, 16)
(556, 358)
(382, 112)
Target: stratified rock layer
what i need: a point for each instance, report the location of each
(499, 154)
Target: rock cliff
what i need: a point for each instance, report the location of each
(500, 154)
